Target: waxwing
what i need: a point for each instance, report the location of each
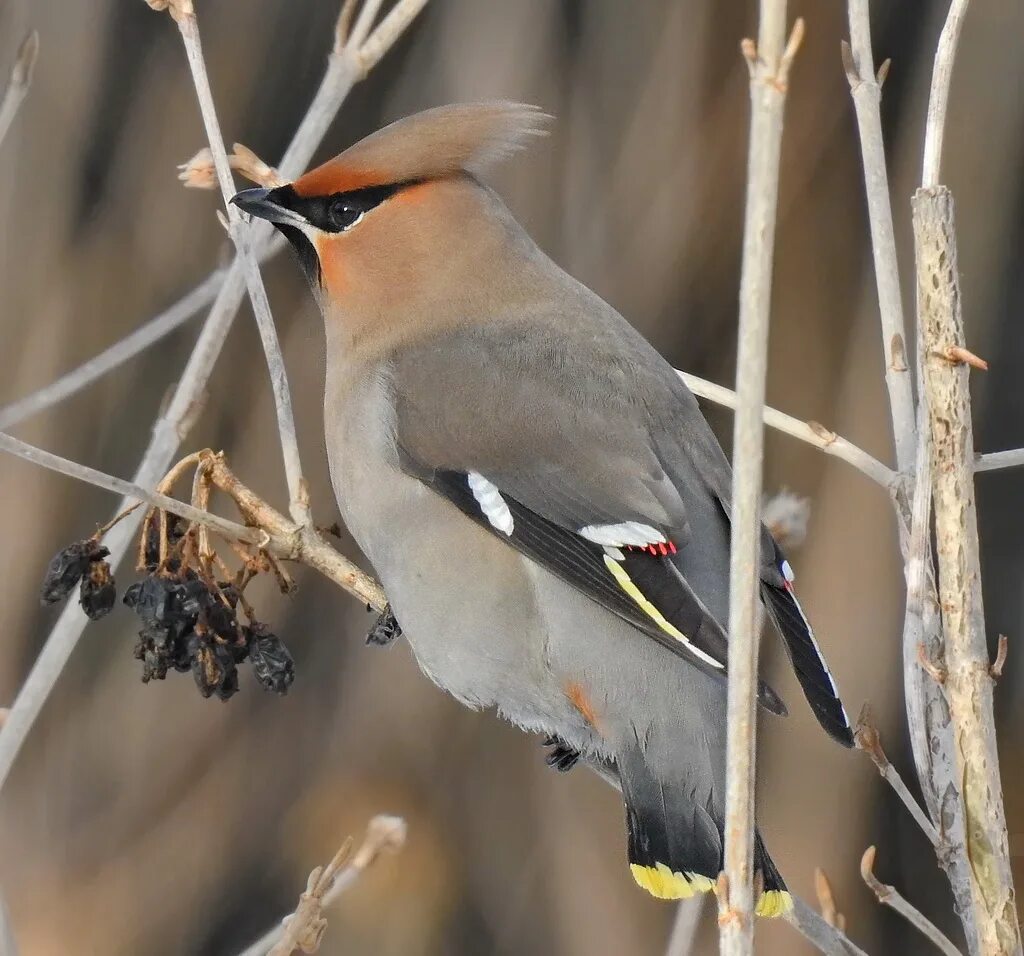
(537, 489)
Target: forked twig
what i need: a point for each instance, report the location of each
(305, 928)
(869, 740)
(889, 896)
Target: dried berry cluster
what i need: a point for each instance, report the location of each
(190, 620)
(81, 563)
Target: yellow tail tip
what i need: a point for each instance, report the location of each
(774, 903)
(660, 881)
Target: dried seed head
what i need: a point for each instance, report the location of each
(66, 568)
(98, 591)
(271, 662)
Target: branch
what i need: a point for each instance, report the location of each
(938, 98)
(685, 926)
(20, 81)
(968, 686)
(229, 529)
(769, 64)
(8, 944)
(869, 740)
(890, 897)
(812, 433)
(305, 927)
(866, 90)
(995, 460)
(171, 428)
(297, 490)
(829, 939)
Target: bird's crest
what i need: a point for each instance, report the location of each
(429, 145)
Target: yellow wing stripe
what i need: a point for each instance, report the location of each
(626, 583)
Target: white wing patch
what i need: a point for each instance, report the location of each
(626, 534)
(491, 503)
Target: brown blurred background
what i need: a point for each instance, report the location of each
(143, 819)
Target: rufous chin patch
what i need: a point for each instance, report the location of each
(332, 266)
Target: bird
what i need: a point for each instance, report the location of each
(543, 500)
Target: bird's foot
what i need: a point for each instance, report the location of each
(561, 757)
(385, 630)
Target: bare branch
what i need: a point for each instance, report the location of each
(170, 429)
(8, 944)
(390, 29)
(384, 835)
(938, 100)
(968, 687)
(810, 432)
(241, 236)
(866, 90)
(20, 81)
(996, 460)
(73, 469)
(829, 939)
(769, 67)
(118, 353)
(685, 926)
(890, 897)
(869, 740)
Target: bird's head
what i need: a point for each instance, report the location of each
(400, 216)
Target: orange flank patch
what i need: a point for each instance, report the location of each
(578, 698)
(334, 177)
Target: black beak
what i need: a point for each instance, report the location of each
(258, 202)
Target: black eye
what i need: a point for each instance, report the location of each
(343, 214)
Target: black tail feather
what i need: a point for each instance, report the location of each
(675, 841)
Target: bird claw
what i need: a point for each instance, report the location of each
(562, 757)
(385, 630)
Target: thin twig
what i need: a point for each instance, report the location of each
(866, 91)
(20, 81)
(298, 494)
(384, 834)
(91, 476)
(828, 939)
(810, 432)
(8, 944)
(890, 897)
(938, 98)
(769, 65)
(995, 460)
(869, 740)
(117, 354)
(342, 73)
(685, 926)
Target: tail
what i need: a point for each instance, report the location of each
(675, 840)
